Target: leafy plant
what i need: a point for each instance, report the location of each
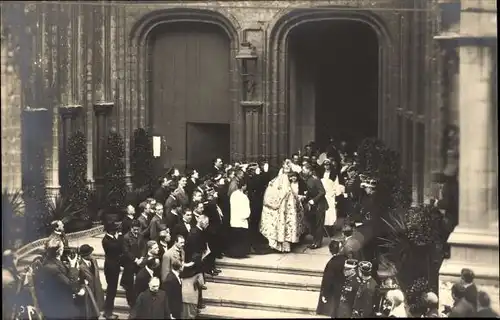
(141, 159)
(77, 190)
(12, 217)
(61, 208)
(115, 187)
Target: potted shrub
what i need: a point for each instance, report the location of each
(12, 219)
(62, 208)
(141, 159)
(115, 188)
(77, 190)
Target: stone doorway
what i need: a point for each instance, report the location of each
(333, 81)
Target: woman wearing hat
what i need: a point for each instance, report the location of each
(92, 302)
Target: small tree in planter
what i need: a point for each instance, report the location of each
(12, 219)
(78, 192)
(142, 159)
(115, 188)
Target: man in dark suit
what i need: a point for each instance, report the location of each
(165, 237)
(57, 283)
(215, 216)
(317, 205)
(183, 227)
(152, 303)
(163, 191)
(196, 246)
(484, 306)
(331, 284)
(112, 243)
(92, 303)
(192, 182)
(218, 168)
(145, 275)
(173, 288)
(132, 258)
(180, 193)
(174, 216)
(154, 225)
(127, 220)
(467, 276)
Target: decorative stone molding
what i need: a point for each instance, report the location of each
(39, 244)
(276, 127)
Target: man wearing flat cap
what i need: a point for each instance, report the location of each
(92, 302)
(363, 302)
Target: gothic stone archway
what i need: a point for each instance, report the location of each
(277, 125)
(140, 70)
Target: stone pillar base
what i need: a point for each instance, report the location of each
(476, 249)
(53, 192)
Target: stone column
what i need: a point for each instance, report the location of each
(69, 115)
(102, 111)
(474, 242)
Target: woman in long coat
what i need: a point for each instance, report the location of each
(92, 302)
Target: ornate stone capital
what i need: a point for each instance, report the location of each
(70, 112)
(103, 108)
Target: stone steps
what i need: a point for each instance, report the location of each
(279, 286)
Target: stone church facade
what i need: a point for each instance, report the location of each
(90, 67)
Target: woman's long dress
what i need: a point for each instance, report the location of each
(282, 220)
(331, 188)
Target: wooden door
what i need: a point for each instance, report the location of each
(205, 142)
(190, 82)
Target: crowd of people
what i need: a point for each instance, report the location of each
(348, 290)
(166, 246)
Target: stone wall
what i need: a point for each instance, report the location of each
(85, 53)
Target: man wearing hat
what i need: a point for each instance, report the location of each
(112, 243)
(132, 258)
(92, 302)
(333, 278)
(363, 301)
(348, 289)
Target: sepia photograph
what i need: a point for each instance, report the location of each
(249, 159)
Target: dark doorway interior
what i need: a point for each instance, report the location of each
(205, 142)
(341, 57)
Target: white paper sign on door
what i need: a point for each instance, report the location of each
(156, 146)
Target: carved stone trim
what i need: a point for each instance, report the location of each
(252, 104)
(277, 127)
(70, 112)
(103, 108)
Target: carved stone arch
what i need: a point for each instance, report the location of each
(139, 58)
(277, 126)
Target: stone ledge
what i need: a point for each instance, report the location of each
(469, 237)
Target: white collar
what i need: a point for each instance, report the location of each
(187, 223)
(144, 215)
(112, 236)
(164, 244)
(149, 271)
(197, 226)
(174, 213)
(159, 216)
(58, 232)
(130, 216)
(466, 285)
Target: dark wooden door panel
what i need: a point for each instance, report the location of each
(190, 81)
(205, 142)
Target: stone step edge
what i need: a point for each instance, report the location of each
(261, 283)
(232, 265)
(222, 302)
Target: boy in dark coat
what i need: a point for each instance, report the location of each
(333, 278)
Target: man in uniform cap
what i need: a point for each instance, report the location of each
(363, 301)
(348, 290)
(93, 301)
